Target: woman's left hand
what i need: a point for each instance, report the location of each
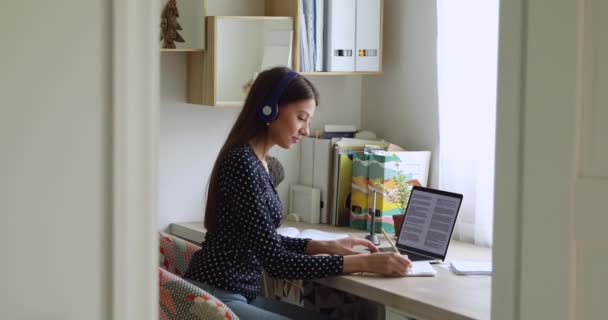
(342, 247)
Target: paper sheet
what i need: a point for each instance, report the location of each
(310, 234)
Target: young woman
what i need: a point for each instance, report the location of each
(243, 209)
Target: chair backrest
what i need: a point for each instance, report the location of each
(178, 298)
(175, 253)
(181, 300)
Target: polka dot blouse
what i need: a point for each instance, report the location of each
(246, 242)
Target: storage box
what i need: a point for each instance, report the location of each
(383, 171)
(358, 208)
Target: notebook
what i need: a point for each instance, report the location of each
(469, 267)
(421, 269)
(418, 269)
(428, 223)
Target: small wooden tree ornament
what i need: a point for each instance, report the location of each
(169, 25)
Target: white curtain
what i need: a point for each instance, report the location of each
(467, 57)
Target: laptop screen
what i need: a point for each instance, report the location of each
(429, 220)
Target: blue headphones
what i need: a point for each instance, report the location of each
(269, 109)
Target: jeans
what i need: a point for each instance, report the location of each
(260, 307)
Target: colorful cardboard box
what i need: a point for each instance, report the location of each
(377, 172)
(359, 209)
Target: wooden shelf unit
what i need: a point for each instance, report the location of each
(203, 66)
(290, 8)
(191, 15)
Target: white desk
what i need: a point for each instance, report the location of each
(445, 296)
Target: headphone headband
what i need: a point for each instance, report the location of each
(269, 109)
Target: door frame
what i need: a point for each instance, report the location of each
(508, 169)
(541, 89)
(136, 111)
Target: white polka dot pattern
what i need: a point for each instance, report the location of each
(246, 241)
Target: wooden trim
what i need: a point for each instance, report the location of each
(201, 69)
(195, 77)
(136, 87)
(211, 63)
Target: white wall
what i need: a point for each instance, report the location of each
(401, 104)
(191, 135)
(55, 134)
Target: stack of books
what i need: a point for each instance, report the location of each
(338, 131)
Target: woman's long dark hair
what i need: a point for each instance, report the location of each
(249, 126)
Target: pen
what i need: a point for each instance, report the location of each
(389, 240)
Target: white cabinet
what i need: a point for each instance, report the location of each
(238, 47)
(356, 47)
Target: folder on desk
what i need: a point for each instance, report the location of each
(309, 12)
(367, 41)
(304, 48)
(340, 49)
(321, 175)
(342, 180)
(319, 35)
(315, 157)
(307, 152)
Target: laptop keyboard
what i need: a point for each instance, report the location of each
(416, 257)
(412, 256)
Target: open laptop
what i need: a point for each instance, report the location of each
(429, 220)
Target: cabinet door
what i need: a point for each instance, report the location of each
(252, 44)
(239, 47)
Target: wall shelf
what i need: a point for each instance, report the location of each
(192, 20)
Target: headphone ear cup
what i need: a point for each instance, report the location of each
(268, 112)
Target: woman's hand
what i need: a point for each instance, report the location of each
(386, 263)
(342, 247)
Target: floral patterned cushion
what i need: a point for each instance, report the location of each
(178, 298)
(175, 253)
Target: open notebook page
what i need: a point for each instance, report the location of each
(419, 269)
(310, 234)
(288, 231)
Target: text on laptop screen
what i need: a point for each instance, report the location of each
(428, 222)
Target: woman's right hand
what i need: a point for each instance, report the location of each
(385, 263)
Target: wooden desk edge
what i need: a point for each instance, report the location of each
(196, 231)
(420, 309)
